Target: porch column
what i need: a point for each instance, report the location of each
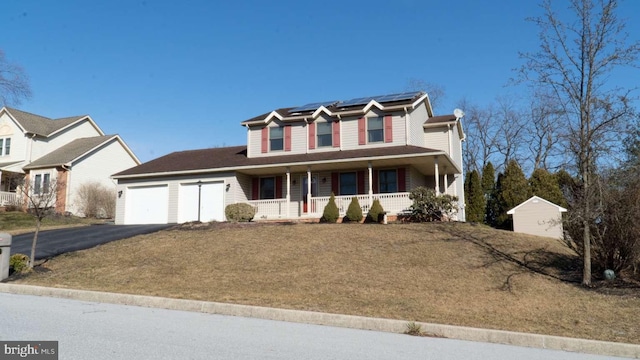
(446, 182)
(370, 183)
(435, 162)
(288, 192)
(309, 207)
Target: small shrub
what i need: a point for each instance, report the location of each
(427, 206)
(19, 263)
(331, 212)
(240, 212)
(354, 212)
(95, 200)
(375, 212)
(414, 329)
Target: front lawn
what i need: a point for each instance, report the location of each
(15, 222)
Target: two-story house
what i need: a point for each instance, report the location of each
(377, 147)
(70, 152)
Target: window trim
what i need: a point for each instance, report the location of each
(5, 146)
(370, 130)
(261, 188)
(328, 125)
(395, 171)
(271, 138)
(342, 183)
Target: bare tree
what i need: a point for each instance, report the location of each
(575, 60)
(40, 196)
(511, 129)
(544, 130)
(483, 135)
(14, 83)
(436, 92)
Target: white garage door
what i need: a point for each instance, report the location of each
(211, 202)
(147, 205)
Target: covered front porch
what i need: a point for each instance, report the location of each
(296, 194)
(9, 182)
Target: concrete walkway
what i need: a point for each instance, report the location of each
(356, 322)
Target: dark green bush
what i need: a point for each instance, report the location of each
(240, 212)
(331, 212)
(19, 263)
(375, 213)
(354, 212)
(427, 206)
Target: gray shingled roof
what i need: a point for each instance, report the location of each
(236, 156)
(41, 125)
(69, 152)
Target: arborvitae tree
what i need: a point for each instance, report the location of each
(354, 211)
(488, 179)
(514, 189)
(331, 212)
(474, 198)
(489, 189)
(545, 185)
(492, 208)
(374, 213)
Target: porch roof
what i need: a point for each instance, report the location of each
(235, 159)
(10, 166)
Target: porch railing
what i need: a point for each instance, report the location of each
(8, 198)
(392, 202)
(269, 209)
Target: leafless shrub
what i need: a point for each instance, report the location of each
(96, 200)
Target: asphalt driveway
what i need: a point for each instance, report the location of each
(56, 242)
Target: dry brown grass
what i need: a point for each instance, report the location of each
(443, 273)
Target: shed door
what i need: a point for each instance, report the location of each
(211, 197)
(147, 205)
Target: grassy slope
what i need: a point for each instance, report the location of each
(444, 273)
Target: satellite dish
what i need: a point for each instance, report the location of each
(458, 113)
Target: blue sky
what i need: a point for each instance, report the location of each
(170, 76)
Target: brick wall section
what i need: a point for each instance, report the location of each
(61, 191)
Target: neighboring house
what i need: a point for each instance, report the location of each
(374, 147)
(73, 151)
(538, 216)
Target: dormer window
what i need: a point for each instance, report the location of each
(276, 138)
(375, 129)
(5, 146)
(325, 134)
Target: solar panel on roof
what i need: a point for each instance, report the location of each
(397, 97)
(380, 98)
(313, 106)
(356, 101)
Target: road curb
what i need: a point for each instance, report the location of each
(349, 321)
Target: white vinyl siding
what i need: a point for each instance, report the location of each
(97, 167)
(9, 129)
(416, 132)
(42, 146)
(437, 138)
(538, 218)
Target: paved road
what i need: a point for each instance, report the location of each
(56, 242)
(87, 330)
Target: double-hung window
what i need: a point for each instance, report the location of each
(5, 146)
(267, 188)
(388, 181)
(276, 138)
(324, 134)
(348, 183)
(375, 129)
(41, 183)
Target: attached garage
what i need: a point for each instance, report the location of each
(209, 196)
(147, 205)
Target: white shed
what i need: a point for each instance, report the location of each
(538, 216)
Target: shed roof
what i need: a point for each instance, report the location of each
(533, 199)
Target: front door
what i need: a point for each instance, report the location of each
(314, 191)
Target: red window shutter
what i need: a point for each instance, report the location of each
(336, 134)
(278, 187)
(388, 129)
(265, 139)
(335, 183)
(287, 138)
(375, 181)
(361, 189)
(255, 189)
(362, 133)
(312, 136)
(402, 180)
